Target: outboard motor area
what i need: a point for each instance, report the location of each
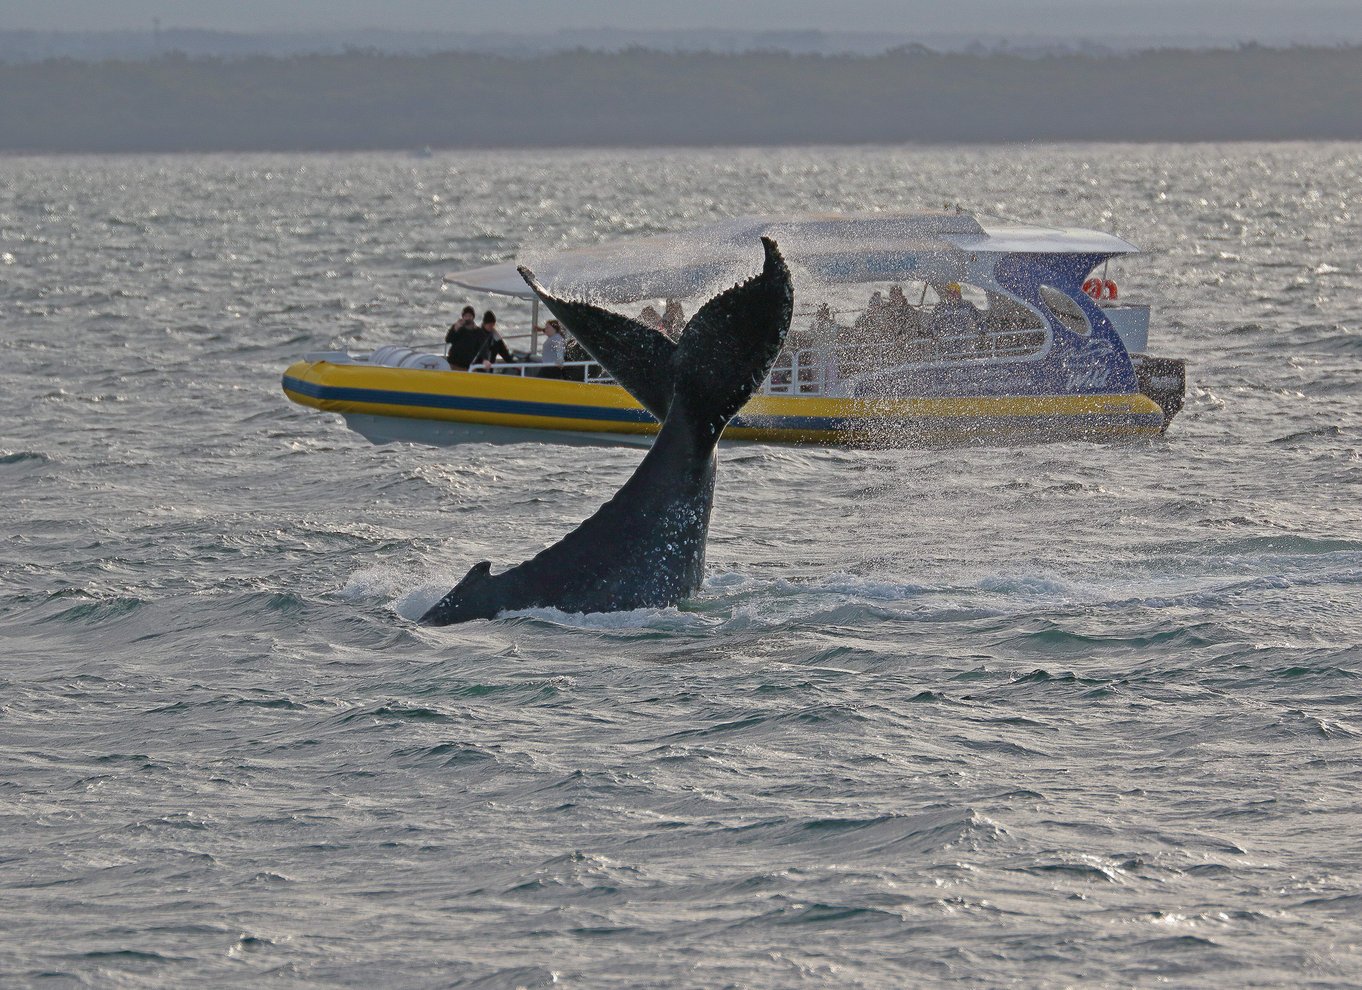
(1164, 380)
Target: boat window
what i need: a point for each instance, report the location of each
(849, 329)
(1070, 316)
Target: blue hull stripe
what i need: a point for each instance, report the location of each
(422, 400)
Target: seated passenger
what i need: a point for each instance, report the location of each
(954, 316)
(823, 327)
(650, 318)
(897, 306)
(555, 345)
(903, 317)
(1005, 313)
(875, 320)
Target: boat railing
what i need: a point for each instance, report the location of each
(819, 370)
(815, 371)
(823, 365)
(800, 372)
(578, 371)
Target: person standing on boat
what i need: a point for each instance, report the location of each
(469, 344)
(823, 327)
(903, 317)
(496, 347)
(555, 347)
(468, 318)
(823, 336)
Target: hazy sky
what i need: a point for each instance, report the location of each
(1276, 21)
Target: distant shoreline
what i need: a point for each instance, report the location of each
(368, 101)
(445, 153)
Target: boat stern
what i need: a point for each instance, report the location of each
(1164, 381)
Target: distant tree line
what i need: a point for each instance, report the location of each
(367, 100)
(35, 46)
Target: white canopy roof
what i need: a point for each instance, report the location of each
(875, 247)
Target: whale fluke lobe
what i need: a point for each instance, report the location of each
(645, 548)
(731, 341)
(636, 355)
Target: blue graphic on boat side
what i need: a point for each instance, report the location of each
(1095, 363)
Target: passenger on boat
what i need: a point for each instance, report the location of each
(903, 317)
(467, 341)
(554, 348)
(1007, 314)
(496, 347)
(875, 319)
(954, 316)
(468, 318)
(849, 342)
(897, 304)
(823, 327)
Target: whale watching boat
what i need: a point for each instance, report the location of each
(909, 329)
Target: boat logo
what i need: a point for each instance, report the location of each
(1087, 366)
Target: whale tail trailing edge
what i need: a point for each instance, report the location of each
(724, 353)
(730, 343)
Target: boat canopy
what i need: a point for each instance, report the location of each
(873, 247)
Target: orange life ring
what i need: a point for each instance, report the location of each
(1093, 287)
(1110, 288)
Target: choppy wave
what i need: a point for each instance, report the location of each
(1065, 715)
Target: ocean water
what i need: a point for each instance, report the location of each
(1059, 715)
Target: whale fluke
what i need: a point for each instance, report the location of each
(636, 355)
(645, 548)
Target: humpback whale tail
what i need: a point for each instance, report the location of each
(646, 546)
(724, 352)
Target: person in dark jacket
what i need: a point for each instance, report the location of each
(459, 357)
(468, 318)
(468, 342)
(496, 347)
